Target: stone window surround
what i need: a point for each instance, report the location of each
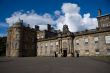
(107, 39)
(77, 42)
(96, 39)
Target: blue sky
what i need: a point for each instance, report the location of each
(8, 7)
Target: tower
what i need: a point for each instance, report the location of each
(103, 20)
(21, 40)
(13, 39)
(49, 27)
(65, 29)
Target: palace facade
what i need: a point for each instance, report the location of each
(25, 41)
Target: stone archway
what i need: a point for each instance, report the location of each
(64, 53)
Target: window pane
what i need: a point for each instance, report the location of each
(107, 39)
(96, 39)
(108, 51)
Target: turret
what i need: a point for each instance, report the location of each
(49, 27)
(99, 12)
(36, 27)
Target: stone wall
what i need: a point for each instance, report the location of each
(92, 44)
(47, 48)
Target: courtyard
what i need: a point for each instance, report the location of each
(52, 65)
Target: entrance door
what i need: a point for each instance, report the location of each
(64, 53)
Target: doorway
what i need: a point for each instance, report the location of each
(64, 53)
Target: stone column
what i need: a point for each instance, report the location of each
(68, 49)
(72, 46)
(58, 46)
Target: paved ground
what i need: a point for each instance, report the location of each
(52, 65)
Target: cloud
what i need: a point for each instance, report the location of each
(32, 18)
(57, 13)
(69, 15)
(89, 23)
(70, 8)
(74, 20)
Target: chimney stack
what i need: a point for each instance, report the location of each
(36, 27)
(49, 27)
(99, 12)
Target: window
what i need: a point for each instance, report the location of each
(96, 39)
(40, 49)
(97, 51)
(51, 48)
(56, 43)
(45, 48)
(38, 37)
(107, 25)
(77, 42)
(15, 45)
(51, 44)
(86, 50)
(86, 41)
(107, 39)
(45, 44)
(17, 36)
(42, 36)
(108, 51)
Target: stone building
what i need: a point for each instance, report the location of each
(25, 41)
(60, 43)
(21, 40)
(96, 41)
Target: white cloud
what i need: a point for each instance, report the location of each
(74, 20)
(31, 18)
(70, 8)
(69, 15)
(89, 23)
(57, 13)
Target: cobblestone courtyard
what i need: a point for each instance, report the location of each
(52, 65)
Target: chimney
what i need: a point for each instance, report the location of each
(36, 27)
(49, 27)
(99, 12)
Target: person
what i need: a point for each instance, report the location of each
(55, 54)
(77, 54)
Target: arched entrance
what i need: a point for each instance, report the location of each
(64, 53)
(64, 49)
